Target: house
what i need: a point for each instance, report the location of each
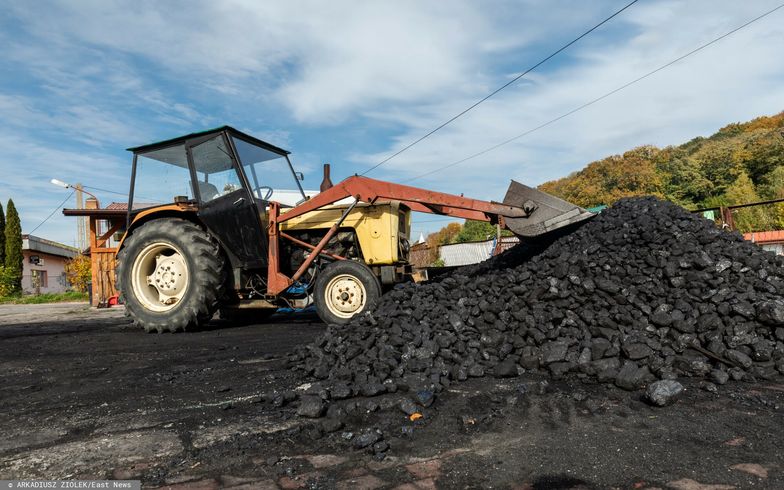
(458, 254)
(466, 253)
(772, 241)
(44, 265)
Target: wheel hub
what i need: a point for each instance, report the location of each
(345, 295)
(168, 274)
(159, 277)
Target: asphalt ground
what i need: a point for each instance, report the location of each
(83, 394)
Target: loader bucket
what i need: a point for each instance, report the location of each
(546, 213)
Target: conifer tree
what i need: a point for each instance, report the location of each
(13, 246)
(2, 236)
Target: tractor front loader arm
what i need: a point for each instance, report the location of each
(421, 200)
(527, 212)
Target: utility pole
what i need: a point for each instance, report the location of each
(81, 221)
(497, 239)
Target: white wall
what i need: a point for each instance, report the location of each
(55, 271)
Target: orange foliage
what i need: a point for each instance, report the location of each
(445, 235)
(610, 179)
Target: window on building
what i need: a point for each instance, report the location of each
(40, 279)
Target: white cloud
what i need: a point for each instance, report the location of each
(320, 61)
(111, 75)
(734, 80)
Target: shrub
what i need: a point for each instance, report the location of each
(8, 283)
(79, 272)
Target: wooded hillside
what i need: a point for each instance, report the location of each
(742, 162)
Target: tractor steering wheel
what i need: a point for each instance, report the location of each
(267, 195)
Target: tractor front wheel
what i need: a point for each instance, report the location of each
(170, 273)
(344, 289)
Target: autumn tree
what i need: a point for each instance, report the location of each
(444, 236)
(610, 179)
(740, 163)
(79, 272)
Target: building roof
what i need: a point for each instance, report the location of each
(456, 254)
(42, 245)
(775, 236)
(123, 206)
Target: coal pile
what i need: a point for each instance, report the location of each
(644, 291)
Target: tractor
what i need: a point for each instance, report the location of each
(219, 220)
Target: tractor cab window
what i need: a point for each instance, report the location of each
(214, 169)
(160, 176)
(270, 174)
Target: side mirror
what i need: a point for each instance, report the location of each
(300, 175)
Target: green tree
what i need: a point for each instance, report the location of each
(719, 164)
(764, 151)
(13, 247)
(475, 231)
(2, 236)
(753, 218)
(773, 188)
(681, 177)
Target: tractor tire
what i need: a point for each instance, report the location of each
(171, 273)
(344, 289)
(246, 316)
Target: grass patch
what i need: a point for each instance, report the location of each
(44, 298)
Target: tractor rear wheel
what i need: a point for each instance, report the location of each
(344, 289)
(170, 273)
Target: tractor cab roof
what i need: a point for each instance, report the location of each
(201, 134)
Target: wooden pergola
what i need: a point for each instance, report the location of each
(103, 224)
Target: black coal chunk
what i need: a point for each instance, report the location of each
(311, 406)
(407, 406)
(664, 392)
(367, 438)
(505, 369)
(631, 376)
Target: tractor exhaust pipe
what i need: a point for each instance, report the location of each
(326, 182)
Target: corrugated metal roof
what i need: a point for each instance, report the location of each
(465, 253)
(457, 254)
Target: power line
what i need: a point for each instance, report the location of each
(590, 103)
(105, 190)
(52, 213)
(435, 220)
(494, 92)
(118, 193)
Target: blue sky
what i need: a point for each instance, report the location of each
(351, 82)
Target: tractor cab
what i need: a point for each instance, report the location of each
(229, 177)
